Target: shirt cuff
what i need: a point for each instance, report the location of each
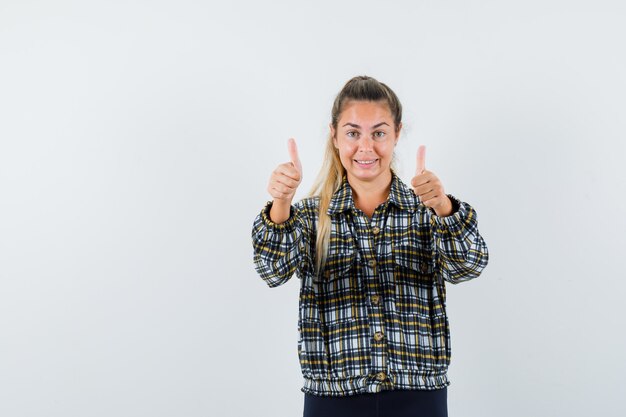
(286, 226)
(459, 212)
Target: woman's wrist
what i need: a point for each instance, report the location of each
(280, 211)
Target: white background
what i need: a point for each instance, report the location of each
(137, 140)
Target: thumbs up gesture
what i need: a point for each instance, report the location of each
(283, 184)
(428, 188)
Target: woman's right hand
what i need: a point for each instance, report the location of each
(286, 177)
(283, 183)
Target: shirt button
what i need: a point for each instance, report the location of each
(424, 268)
(375, 299)
(378, 336)
(376, 230)
(372, 263)
(380, 376)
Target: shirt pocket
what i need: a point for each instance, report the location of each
(312, 349)
(413, 277)
(340, 290)
(349, 348)
(338, 263)
(415, 261)
(440, 339)
(423, 343)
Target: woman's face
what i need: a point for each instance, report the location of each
(365, 138)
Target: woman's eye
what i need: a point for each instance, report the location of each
(380, 134)
(351, 133)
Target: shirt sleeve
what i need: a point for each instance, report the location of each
(279, 249)
(461, 251)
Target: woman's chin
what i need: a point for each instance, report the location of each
(366, 174)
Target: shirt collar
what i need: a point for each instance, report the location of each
(399, 195)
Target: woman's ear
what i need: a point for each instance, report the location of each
(332, 134)
(398, 133)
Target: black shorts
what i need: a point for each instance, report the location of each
(389, 403)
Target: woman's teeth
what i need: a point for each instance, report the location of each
(366, 162)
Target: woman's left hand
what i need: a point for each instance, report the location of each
(429, 188)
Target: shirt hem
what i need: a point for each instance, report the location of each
(368, 384)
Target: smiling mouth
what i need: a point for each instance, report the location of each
(366, 162)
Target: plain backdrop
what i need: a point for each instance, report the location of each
(137, 141)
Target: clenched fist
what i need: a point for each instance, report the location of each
(429, 188)
(283, 184)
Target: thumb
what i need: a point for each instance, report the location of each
(293, 154)
(421, 156)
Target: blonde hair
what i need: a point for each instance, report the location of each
(329, 179)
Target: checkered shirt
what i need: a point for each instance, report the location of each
(375, 317)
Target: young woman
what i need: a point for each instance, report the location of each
(372, 256)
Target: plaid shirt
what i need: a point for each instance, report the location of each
(375, 318)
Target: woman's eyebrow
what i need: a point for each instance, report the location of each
(358, 127)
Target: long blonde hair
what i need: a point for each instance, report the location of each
(329, 179)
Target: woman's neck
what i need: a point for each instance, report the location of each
(369, 194)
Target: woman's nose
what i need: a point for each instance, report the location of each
(366, 143)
